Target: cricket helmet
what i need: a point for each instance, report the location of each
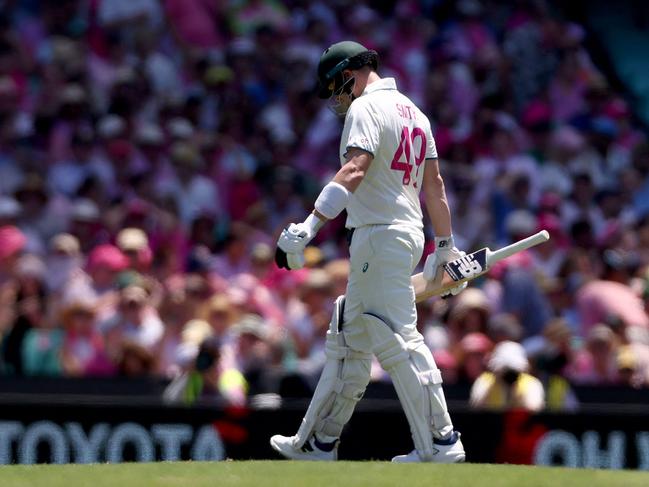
(338, 57)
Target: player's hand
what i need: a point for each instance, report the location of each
(295, 238)
(291, 244)
(445, 251)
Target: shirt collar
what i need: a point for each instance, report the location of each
(382, 84)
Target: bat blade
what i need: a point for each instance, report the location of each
(451, 275)
(469, 267)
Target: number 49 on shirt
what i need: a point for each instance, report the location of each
(403, 157)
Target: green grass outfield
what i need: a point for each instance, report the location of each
(311, 474)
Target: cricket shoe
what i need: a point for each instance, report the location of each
(450, 450)
(311, 450)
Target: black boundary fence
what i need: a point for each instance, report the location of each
(72, 428)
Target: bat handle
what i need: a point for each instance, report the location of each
(526, 243)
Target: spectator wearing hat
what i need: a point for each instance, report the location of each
(506, 384)
(262, 263)
(135, 320)
(64, 262)
(596, 363)
(193, 193)
(104, 264)
(134, 243)
(219, 313)
(85, 223)
(82, 350)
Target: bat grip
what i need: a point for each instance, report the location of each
(526, 243)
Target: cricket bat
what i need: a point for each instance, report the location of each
(470, 266)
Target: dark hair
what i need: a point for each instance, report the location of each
(368, 58)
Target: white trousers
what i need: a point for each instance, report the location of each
(382, 259)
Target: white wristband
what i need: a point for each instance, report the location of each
(314, 223)
(444, 242)
(332, 200)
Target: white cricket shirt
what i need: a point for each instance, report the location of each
(388, 125)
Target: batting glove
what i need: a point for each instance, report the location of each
(293, 241)
(445, 251)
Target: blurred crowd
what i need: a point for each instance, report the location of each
(151, 151)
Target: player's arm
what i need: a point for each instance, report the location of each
(440, 216)
(352, 173)
(332, 200)
(435, 198)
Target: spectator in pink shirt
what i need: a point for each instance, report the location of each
(82, 351)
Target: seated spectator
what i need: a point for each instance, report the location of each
(506, 384)
(134, 243)
(26, 306)
(104, 264)
(219, 313)
(193, 193)
(596, 364)
(472, 360)
(82, 352)
(64, 262)
(135, 320)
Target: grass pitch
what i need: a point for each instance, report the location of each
(311, 474)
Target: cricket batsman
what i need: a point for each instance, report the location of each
(388, 155)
